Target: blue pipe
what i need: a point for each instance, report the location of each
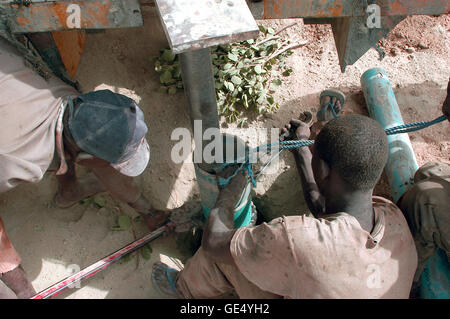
(383, 108)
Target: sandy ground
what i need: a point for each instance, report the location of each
(54, 242)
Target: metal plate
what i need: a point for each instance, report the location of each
(196, 24)
(353, 39)
(77, 14)
(282, 9)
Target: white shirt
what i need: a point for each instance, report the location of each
(29, 107)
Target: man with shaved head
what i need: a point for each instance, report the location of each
(355, 246)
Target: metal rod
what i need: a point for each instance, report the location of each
(100, 265)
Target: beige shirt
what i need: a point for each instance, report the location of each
(29, 108)
(427, 209)
(332, 257)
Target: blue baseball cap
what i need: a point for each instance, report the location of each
(110, 126)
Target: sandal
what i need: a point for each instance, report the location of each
(327, 111)
(162, 277)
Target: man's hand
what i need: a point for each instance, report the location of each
(446, 105)
(230, 194)
(296, 130)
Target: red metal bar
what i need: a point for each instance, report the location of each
(100, 265)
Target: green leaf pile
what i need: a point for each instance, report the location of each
(246, 74)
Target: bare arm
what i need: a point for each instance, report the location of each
(298, 130)
(313, 198)
(219, 229)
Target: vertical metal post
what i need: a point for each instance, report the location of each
(198, 81)
(191, 33)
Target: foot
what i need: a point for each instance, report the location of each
(331, 104)
(85, 187)
(155, 218)
(18, 282)
(152, 217)
(164, 278)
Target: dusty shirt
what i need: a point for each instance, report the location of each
(305, 257)
(427, 209)
(29, 108)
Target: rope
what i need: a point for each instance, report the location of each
(292, 144)
(405, 128)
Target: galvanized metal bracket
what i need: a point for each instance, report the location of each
(196, 24)
(353, 38)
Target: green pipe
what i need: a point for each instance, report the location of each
(382, 105)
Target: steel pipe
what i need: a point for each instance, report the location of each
(198, 82)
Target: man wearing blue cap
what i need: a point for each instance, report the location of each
(47, 126)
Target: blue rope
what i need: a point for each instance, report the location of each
(291, 144)
(224, 182)
(405, 128)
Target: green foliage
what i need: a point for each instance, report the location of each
(168, 67)
(126, 259)
(95, 201)
(124, 223)
(99, 202)
(246, 74)
(146, 252)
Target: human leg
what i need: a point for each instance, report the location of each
(72, 189)
(124, 188)
(202, 278)
(11, 273)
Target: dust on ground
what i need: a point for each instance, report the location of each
(55, 242)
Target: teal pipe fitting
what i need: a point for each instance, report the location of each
(209, 191)
(208, 182)
(382, 105)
